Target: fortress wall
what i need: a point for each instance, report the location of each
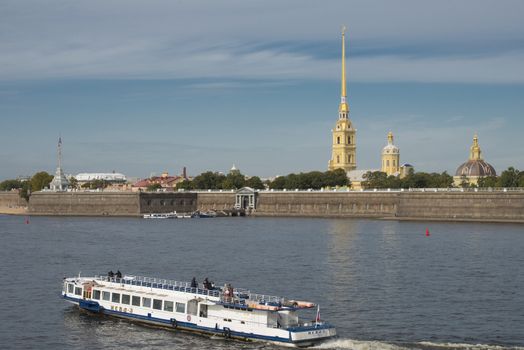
(160, 202)
(85, 203)
(334, 204)
(484, 206)
(11, 199)
(215, 200)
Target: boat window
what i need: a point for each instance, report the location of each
(157, 304)
(106, 295)
(135, 300)
(168, 306)
(115, 298)
(146, 302)
(70, 288)
(96, 294)
(78, 291)
(180, 307)
(126, 299)
(203, 310)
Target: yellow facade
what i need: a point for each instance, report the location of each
(344, 148)
(390, 157)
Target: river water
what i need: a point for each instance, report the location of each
(384, 284)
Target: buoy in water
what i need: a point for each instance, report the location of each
(427, 232)
(27, 220)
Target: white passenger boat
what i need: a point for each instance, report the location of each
(161, 215)
(227, 312)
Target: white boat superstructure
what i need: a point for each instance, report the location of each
(228, 312)
(172, 215)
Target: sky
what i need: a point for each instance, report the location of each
(142, 87)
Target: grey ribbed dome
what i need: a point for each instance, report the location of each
(476, 168)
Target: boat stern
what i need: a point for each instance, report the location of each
(315, 333)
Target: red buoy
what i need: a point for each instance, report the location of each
(427, 232)
(27, 220)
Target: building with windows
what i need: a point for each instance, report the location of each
(391, 157)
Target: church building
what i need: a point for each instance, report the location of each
(344, 148)
(475, 168)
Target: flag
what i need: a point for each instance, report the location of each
(317, 319)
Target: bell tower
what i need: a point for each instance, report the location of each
(343, 149)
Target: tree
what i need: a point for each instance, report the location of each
(185, 185)
(73, 182)
(208, 180)
(509, 178)
(40, 180)
(255, 182)
(487, 181)
(9, 185)
(153, 187)
(233, 180)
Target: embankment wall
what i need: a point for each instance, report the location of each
(483, 206)
(11, 199)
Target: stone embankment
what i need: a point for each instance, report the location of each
(420, 205)
(12, 203)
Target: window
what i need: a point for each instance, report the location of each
(338, 159)
(162, 202)
(115, 297)
(70, 288)
(146, 302)
(135, 300)
(78, 291)
(96, 294)
(157, 304)
(106, 295)
(393, 162)
(126, 299)
(349, 140)
(338, 139)
(387, 162)
(168, 306)
(180, 307)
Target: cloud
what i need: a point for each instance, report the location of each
(470, 41)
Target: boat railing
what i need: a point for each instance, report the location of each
(159, 283)
(246, 294)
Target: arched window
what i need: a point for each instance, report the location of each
(394, 162)
(349, 140)
(387, 162)
(338, 158)
(338, 139)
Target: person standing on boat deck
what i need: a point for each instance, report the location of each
(207, 285)
(194, 283)
(110, 275)
(118, 274)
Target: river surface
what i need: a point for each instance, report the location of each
(384, 284)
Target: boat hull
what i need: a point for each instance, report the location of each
(296, 338)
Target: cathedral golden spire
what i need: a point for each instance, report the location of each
(475, 149)
(343, 108)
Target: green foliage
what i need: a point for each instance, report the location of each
(487, 181)
(153, 187)
(185, 185)
(255, 183)
(95, 184)
(9, 185)
(209, 181)
(40, 180)
(311, 180)
(73, 182)
(233, 181)
(509, 178)
(380, 179)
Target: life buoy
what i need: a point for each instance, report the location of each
(189, 317)
(174, 323)
(227, 333)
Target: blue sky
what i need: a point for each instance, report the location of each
(140, 87)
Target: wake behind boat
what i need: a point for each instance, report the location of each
(228, 312)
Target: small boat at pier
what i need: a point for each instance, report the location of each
(228, 312)
(172, 215)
